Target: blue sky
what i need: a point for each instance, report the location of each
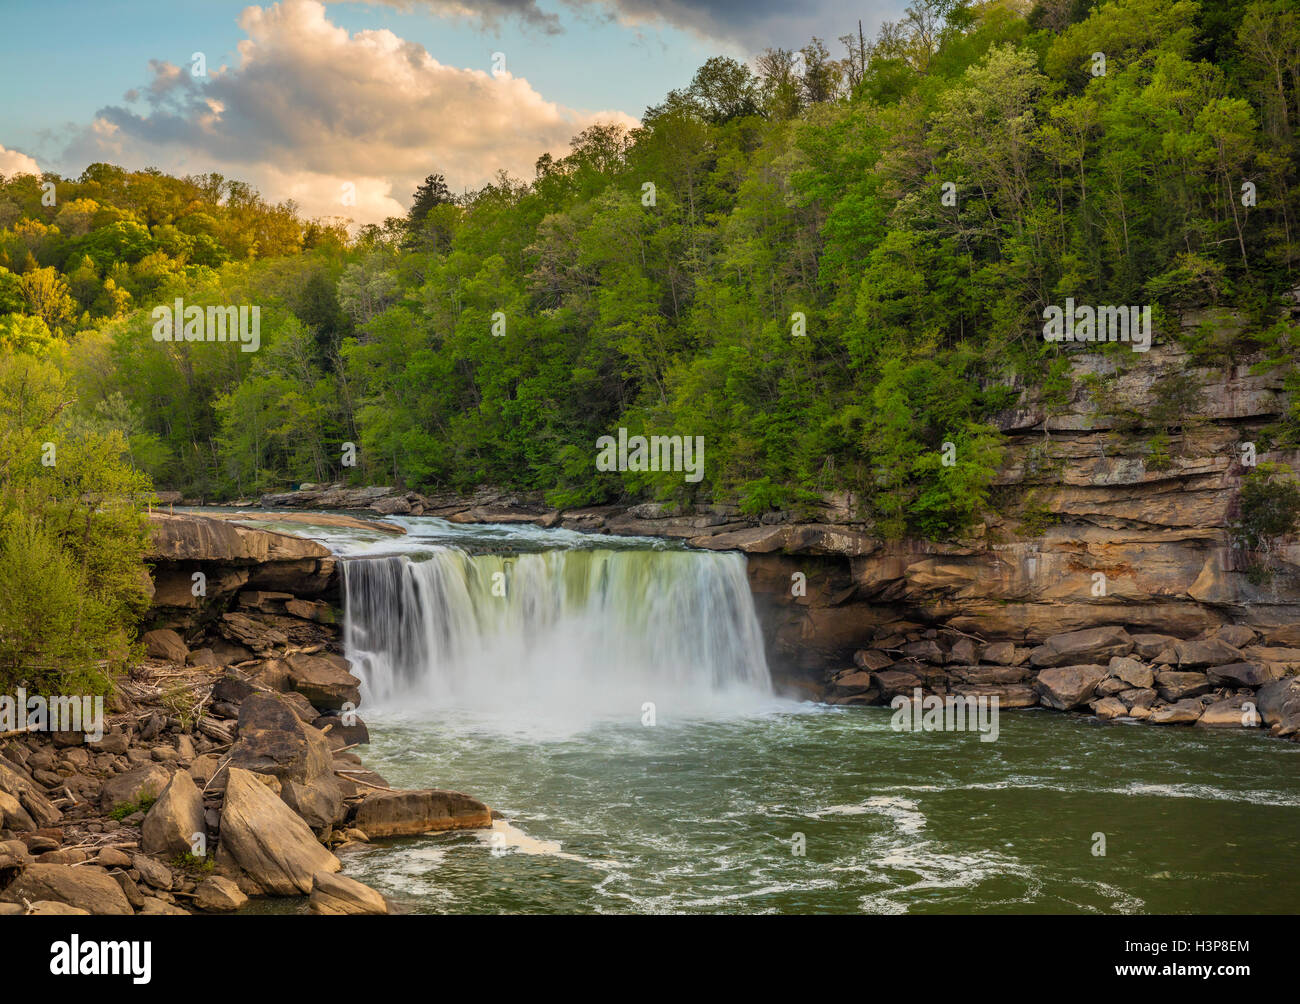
(331, 93)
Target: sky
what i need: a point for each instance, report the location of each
(346, 107)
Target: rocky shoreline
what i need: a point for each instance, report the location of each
(226, 766)
(1221, 679)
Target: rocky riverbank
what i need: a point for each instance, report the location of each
(227, 766)
(1224, 678)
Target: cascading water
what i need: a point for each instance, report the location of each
(557, 635)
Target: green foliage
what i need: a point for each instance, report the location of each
(194, 865)
(776, 199)
(131, 808)
(71, 537)
(1270, 505)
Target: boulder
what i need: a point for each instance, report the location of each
(991, 674)
(152, 872)
(142, 784)
(272, 846)
(925, 651)
(218, 894)
(1278, 700)
(1000, 653)
(1068, 687)
(1009, 695)
(1189, 655)
(320, 803)
(172, 821)
(871, 660)
(1288, 658)
(49, 908)
(252, 632)
(1096, 644)
(30, 796)
(1245, 674)
(429, 810)
(1140, 697)
(311, 610)
(14, 856)
(12, 814)
(338, 894)
(853, 682)
(1109, 707)
(1174, 686)
(1232, 714)
(274, 740)
(963, 652)
(896, 681)
(338, 734)
(1148, 646)
(112, 857)
(86, 887)
(1236, 635)
(1183, 712)
(324, 680)
(165, 643)
(154, 907)
(1131, 672)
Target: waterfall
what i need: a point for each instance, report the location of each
(554, 634)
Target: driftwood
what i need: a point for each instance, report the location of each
(210, 728)
(356, 780)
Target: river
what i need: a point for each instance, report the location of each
(610, 697)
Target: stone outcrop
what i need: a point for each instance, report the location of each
(143, 784)
(172, 822)
(218, 894)
(266, 842)
(226, 558)
(404, 813)
(274, 740)
(1069, 687)
(88, 888)
(339, 895)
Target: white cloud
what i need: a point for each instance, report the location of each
(309, 106)
(12, 162)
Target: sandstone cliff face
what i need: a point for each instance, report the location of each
(1126, 541)
(229, 558)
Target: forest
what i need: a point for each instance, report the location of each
(827, 264)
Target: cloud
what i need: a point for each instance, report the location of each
(12, 162)
(752, 24)
(757, 24)
(309, 107)
(489, 13)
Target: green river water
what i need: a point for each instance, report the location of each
(704, 810)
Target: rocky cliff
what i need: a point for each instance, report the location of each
(1095, 524)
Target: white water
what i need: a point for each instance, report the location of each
(578, 636)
